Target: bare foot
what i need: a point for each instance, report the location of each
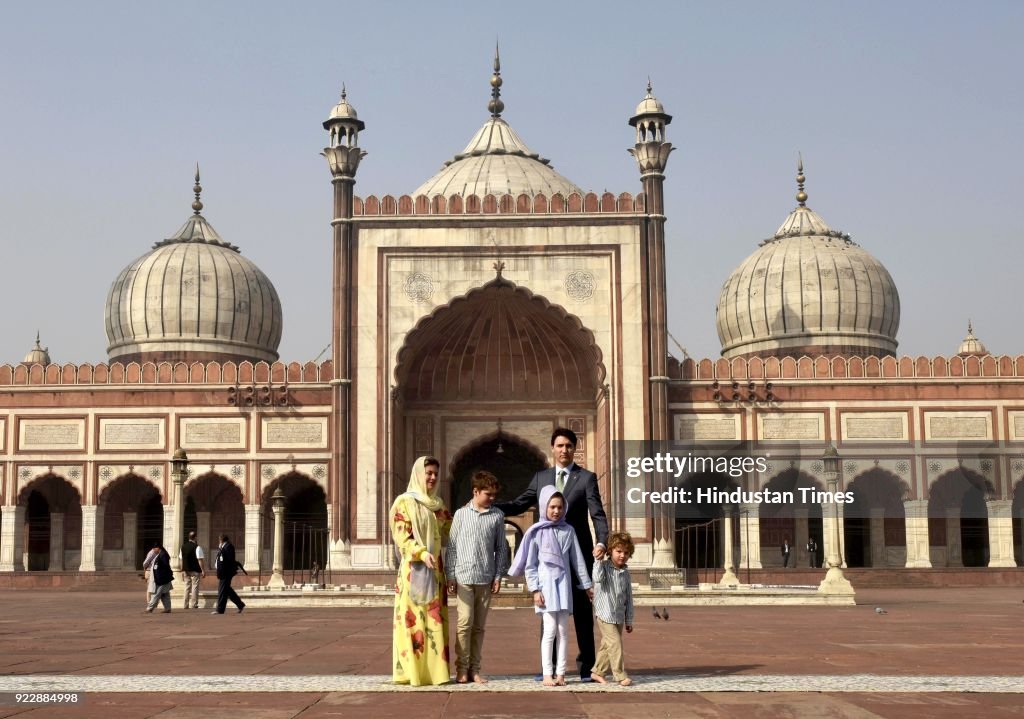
(560, 680)
(461, 679)
(549, 682)
(598, 678)
(478, 679)
(627, 682)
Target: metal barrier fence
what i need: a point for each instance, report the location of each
(307, 556)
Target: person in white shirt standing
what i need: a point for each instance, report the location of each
(193, 569)
(476, 559)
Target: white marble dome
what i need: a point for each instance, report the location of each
(497, 162)
(808, 290)
(193, 296)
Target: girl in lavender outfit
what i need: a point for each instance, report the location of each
(551, 558)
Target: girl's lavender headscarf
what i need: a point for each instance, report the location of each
(544, 534)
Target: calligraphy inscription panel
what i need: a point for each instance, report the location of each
(697, 428)
(212, 433)
(875, 427)
(792, 428)
(52, 434)
(954, 427)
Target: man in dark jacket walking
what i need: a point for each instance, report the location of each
(227, 568)
(163, 577)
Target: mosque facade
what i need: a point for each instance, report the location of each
(472, 316)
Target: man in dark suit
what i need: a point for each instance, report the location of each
(227, 568)
(584, 499)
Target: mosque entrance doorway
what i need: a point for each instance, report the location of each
(497, 353)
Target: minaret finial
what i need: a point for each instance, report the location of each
(37, 340)
(970, 329)
(197, 206)
(650, 89)
(801, 196)
(495, 106)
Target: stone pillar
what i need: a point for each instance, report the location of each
(798, 553)
(253, 538)
(203, 534)
(56, 541)
(828, 522)
(750, 536)
(177, 525)
(12, 536)
(954, 550)
(92, 538)
(729, 578)
(277, 578)
(877, 525)
(1000, 533)
(915, 513)
(130, 540)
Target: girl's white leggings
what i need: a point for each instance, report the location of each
(554, 622)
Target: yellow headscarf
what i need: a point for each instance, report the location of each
(423, 521)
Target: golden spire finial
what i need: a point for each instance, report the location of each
(495, 106)
(197, 206)
(801, 196)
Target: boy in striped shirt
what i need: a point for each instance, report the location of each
(613, 605)
(477, 558)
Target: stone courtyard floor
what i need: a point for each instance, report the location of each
(927, 653)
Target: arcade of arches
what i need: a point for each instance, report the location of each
(873, 528)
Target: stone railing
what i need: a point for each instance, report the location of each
(824, 367)
(133, 373)
(540, 204)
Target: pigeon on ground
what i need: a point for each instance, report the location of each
(879, 610)
(664, 614)
(654, 611)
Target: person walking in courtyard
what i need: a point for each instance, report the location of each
(613, 604)
(163, 578)
(227, 567)
(785, 548)
(419, 525)
(147, 568)
(551, 558)
(193, 569)
(476, 560)
(583, 505)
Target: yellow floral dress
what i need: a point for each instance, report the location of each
(420, 644)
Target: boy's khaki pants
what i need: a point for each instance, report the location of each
(609, 656)
(474, 601)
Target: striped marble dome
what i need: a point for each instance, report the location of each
(808, 290)
(193, 297)
(497, 162)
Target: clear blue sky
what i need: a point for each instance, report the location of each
(909, 117)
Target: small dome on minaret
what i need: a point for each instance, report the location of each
(38, 355)
(971, 346)
(343, 123)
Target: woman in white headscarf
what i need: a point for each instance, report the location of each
(419, 524)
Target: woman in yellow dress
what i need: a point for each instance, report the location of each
(419, 525)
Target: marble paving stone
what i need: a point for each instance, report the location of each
(271, 683)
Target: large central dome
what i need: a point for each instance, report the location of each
(497, 162)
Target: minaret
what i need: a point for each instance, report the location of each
(651, 153)
(343, 155)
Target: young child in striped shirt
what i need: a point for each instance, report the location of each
(477, 558)
(613, 605)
